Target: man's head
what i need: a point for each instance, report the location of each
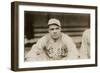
(54, 28)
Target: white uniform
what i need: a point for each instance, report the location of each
(85, 47)
(47, 49)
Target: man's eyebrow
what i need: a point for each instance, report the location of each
(52, 28)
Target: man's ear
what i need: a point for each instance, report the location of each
(60, 28)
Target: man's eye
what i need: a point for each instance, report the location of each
(52, 29)
(57, 28)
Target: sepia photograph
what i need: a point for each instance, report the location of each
(56, 36)
(53, 36)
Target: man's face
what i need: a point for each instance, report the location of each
(55, 31)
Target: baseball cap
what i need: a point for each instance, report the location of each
(54, 21)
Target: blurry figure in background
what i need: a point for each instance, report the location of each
(85, 46)
(53, 46)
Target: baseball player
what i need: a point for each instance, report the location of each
(85, 47)
(53, 46)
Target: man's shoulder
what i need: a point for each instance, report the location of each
(45, 37)
(65, 35)
(67, 38)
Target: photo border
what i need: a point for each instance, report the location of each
(15, 34)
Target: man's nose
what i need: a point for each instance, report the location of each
(55, 31)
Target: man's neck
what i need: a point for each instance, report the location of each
(55, 39)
